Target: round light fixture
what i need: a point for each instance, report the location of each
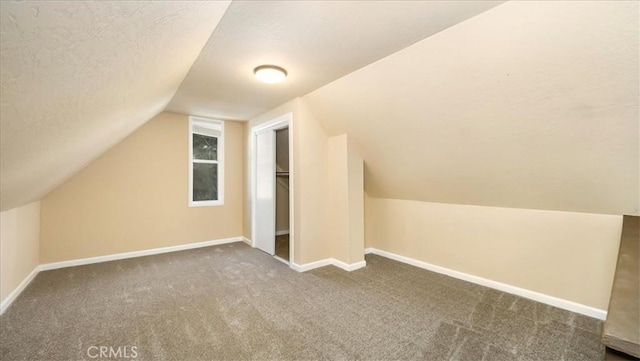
(270, 74)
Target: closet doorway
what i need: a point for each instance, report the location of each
(282, 194)
(272, 188)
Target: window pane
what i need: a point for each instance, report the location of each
(205, 147)
(205, 182)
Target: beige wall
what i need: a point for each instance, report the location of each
(355, 184)
(135, 197)
(311, 171)
(327, 188)
(346, 200)
(309, 174)
(338, 197)
(19, 243)
(567, 255)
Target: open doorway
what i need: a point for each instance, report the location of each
(272, 186)
(282, 194)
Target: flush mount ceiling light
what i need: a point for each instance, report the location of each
(270, 74)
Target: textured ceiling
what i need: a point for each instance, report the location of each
(528, 105)
(532, 104)
(317, 42)
(77, 77)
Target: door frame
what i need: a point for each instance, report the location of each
(280, 122)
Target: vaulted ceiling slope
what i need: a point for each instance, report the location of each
(317, 42)
(532, 104)
(77, 77)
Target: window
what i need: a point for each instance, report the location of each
(206, 162)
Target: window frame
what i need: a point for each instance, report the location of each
(213, 124)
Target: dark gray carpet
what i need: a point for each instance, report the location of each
(233, 302)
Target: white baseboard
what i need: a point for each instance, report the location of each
(348, 267)
(112, 257)
(146, 252)
(326, 262)
(309, 266)
(539, 297)
(283, 232)
(532, 295)
(13, 295)
(247, 241)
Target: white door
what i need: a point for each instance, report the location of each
(265, 198)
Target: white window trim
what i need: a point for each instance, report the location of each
(204, 122)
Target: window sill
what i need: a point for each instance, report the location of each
(206, 203)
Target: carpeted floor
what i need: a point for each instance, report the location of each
(233, 302)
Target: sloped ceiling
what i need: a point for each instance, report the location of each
(316, 41)
(528, 105)
(77, 77)
(532, 104)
